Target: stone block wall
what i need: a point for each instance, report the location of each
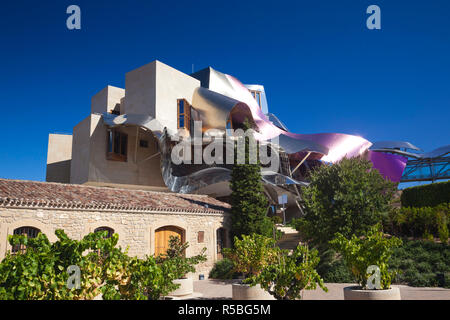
(136, 229)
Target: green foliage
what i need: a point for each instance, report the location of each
(443, 232)
(223, 269)
(419, 264)
(422, 263)
(276, 219)
(417, 222)
(248, 202)
(347, 197)
(175, 254)
(429, 195)
(290, 274)
(360, 253)
(251, 254)
(332, 267)
(41, 272)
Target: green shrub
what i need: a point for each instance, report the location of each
(443, 221)
(292, 273)
(347, 197)
(336, 272)
(223, 269)
(40, 273)
(417, 222)
(276, 219)
(176, 255)
(429, 195)
(372, 249)
(422, 263)
(251, 254)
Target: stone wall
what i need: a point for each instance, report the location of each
(136, 229)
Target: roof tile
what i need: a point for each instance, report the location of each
(34, 193)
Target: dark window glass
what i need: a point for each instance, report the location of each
(30, 232)
(116, 142)
(110, 231)
(181, 107)
(123, 144)
(110, 141)
(117, 145)
(181, 121)
(143, 143)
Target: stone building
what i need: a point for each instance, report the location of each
(143, 219)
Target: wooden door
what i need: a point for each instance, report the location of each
(162, 236)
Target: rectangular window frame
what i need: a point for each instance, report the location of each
(184, 114)
(117, 145)
(257, 96)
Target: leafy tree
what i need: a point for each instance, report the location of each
(348, 197)
(361, 252)
(248, 202)
(290, 274)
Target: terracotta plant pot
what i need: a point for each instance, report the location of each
(356, 293)
(246, 292)
(186, 287)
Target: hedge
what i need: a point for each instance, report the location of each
(429, 195)
(423, 222)
(420, 264)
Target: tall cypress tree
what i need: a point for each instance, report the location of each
(248, 202)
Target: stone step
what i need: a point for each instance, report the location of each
(290, 239)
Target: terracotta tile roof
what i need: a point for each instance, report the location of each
(20, 193)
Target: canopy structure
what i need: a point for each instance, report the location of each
(421, 166)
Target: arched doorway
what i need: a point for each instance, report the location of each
(162, 236)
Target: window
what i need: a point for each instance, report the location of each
(117, 145)
(184, 114)
(229, 123)
(143, 143)
(30, 232)
(220, 242)
(201, 237)
(110, 231)
(116, 109)
(257, 96)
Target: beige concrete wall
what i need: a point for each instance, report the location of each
(140, 90)
(59, 155)
(107, 99)
(172, 85)
(136, 170)
(90, 164)
(79, 167)
(153, 89)
(136, 229)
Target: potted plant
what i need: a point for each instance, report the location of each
(292, 273)
(367, 258)
(176, 254)
(250, 256)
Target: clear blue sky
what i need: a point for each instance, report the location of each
(323, 70)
